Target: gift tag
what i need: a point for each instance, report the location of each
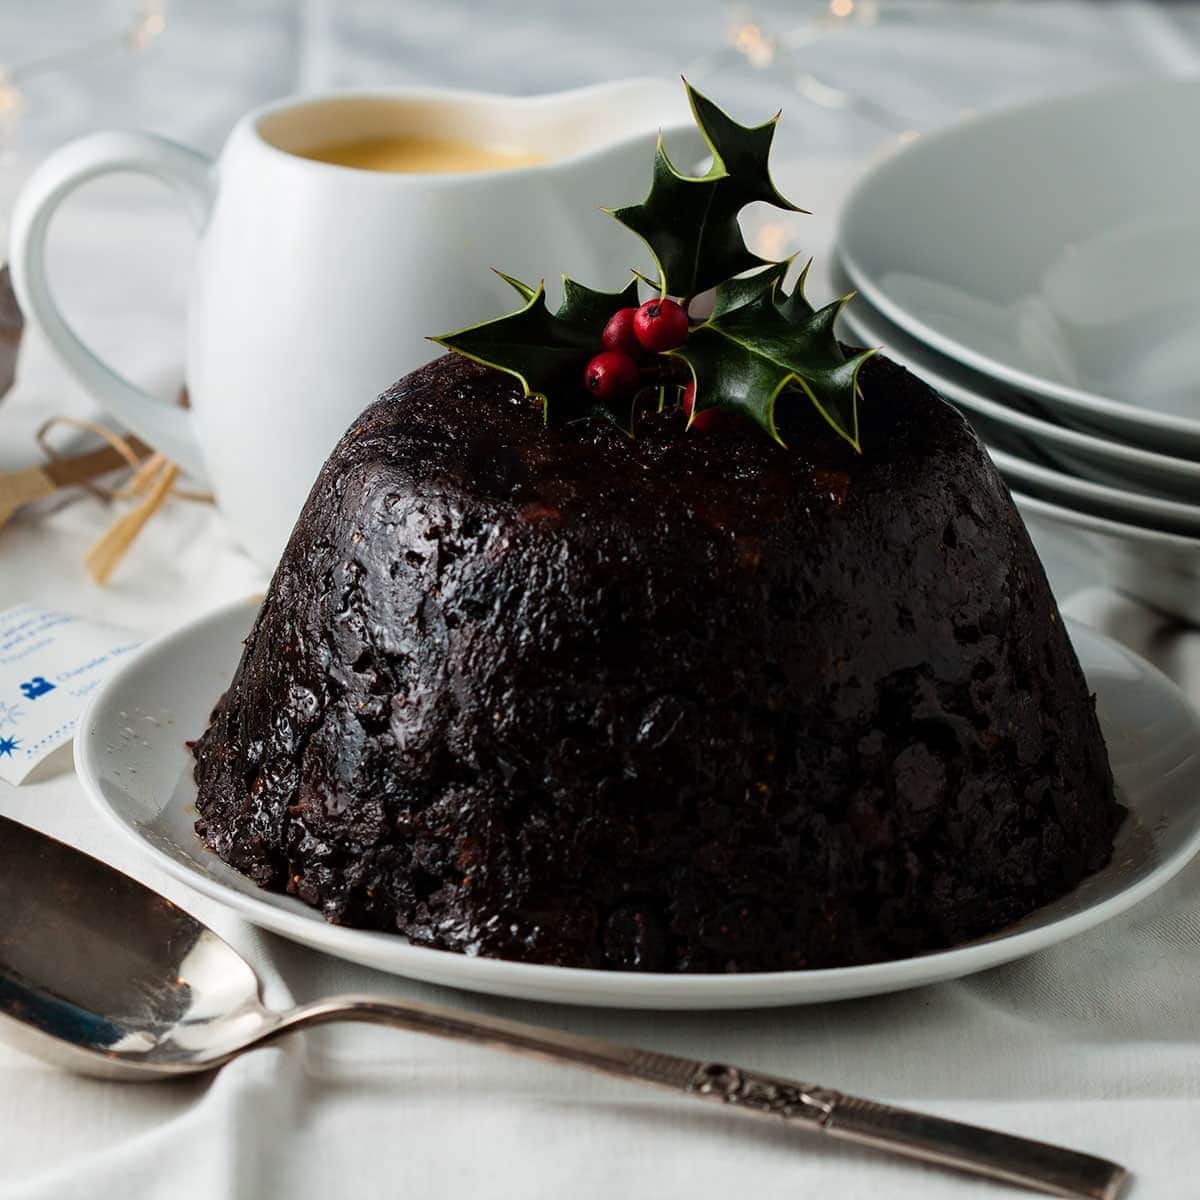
(50, 662)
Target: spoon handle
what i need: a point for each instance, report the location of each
(1036, 1165)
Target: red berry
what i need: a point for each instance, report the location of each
(618, 333)
(707, 419)
(661, 325)
(611, 374)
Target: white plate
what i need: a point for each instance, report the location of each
(1098, 499)
(1160, 569)
(130, 755)
(1097, 458)
(1055, 247)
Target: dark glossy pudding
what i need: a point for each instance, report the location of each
(677, 703)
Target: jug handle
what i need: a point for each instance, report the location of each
(166, 427)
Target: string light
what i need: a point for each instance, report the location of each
(11, 104)
(11, 100)
(772, 239)
(750, 41)
(791, 52)
(149, 22)
(864, 12)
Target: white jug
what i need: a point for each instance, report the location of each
(316, 285)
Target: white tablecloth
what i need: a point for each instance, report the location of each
(1093, 1043)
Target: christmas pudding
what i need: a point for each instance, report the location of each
(652, 642)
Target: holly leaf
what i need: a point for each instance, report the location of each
(690, 223)
(742, 150)
(795, 307)
(546, 352)
(581, 305)
(756, 346)
(589, 309)
(737, 293)
(523, 290)
(690, 227)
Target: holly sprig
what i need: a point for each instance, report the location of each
(760, 342)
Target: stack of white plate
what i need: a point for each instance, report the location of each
(1041, 268)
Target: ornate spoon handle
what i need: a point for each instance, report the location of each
(1016, 1160)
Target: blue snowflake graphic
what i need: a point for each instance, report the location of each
(10, 714)
(8, 746)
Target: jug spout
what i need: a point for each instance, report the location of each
(566, 126)
(599, 145)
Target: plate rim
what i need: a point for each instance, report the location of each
(1106, 525)
(594, 987)
(1177, 516)
(1086, 491)
(1080, 399)
(1063, 436)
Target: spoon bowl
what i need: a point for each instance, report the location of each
(105, 977)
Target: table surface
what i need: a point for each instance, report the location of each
(1093, 1043)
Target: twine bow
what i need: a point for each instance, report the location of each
(151, 482)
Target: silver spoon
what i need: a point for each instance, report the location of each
(105, 977)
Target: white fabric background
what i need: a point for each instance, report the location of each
(1093, 1043)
